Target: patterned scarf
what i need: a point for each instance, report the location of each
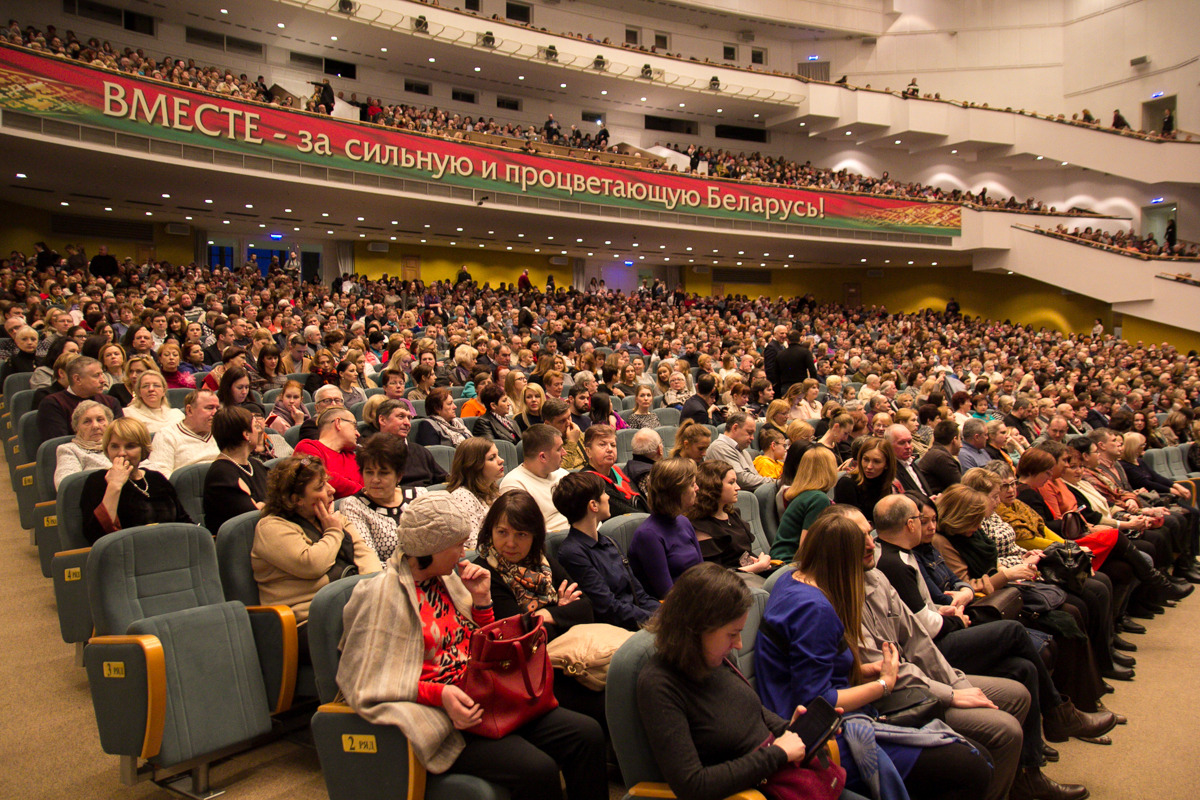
(533, 587)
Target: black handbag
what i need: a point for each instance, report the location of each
(910, 707)
(1001, 604)
(1067, 565)
(1039, 598)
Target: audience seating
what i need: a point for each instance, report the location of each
(471, 423)
(443, 455)
(68, 566)
(357, 411)
(28, 442)
(174, 668)
(625, 444)
(554, 540)
(768, 515)
(189, 485)
(667, 417)
(620, 529)
(457, 392)
(418, 407)
(45, 511)
(667, 434)
(177, 397)
(437, 487)
(511, 455)
(292, 435)
(777, 576)
(747, 506)
(359, 760)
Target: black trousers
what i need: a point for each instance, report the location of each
(951, 772)
(528, 761)
(1003, 650)
(1096, 602)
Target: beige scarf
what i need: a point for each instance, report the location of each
(382, 652)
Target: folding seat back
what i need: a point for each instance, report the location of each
(418, 407)
(235, 540)
(1156, 459)
(667, 416)
(747, 506)
(768, 514)
(45, 518)
(189, 486)
(625, 444)
(357, 411)
(24, 471)
(443, 455)
(508, 452)
(620, 529)
(17, 382)
(168, 643)
(68, 565)
(667, 434)
(178, 396)
(471, 423)
(554, 540)
(270, 396)
(782, 573)
(292, 435)
(1176, 467)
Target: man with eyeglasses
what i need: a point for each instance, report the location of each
(334, 446)
(326, 397)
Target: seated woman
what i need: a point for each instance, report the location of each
(134, 367)
(600, 445)
(126, 496)
(678, 393)
(322, 372)
(375, 511)
(724, 536)
(405, 651)
(643, 416)
(301, 543)
(231, 357)
(601, 412)
(709, 733)
(289, 409)
(24, 356)
(594, 561)
(806, 406)
(691, 441)
(352, 393)
(806, 497)
(533, 398)
(112, 358)
(494, 424)
(442, 426)
(528, 580)
(268, 375)
(474, 482)
(665, 545)
(816, 614)
(236, 482)
(170, 363)
(150, 405)
(777, 416)
(86, 451)
(872, 478)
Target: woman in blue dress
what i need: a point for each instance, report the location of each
(808, 647)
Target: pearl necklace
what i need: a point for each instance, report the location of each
(247, 471)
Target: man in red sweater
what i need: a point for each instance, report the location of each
(337, 436)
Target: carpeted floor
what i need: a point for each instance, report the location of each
(49, 747)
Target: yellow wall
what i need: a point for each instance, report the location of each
(1136, 329)
(24, 225)
(438, 263)
(991, 295)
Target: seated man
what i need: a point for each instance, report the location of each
(557, 414)
(86, 378)
(394, 418)
(540, 472)
(702, 406)
(730, 447)
(327, 397)
(334, 447)
(190, 440)
(647, 448)
(940, 465)
(974, 441)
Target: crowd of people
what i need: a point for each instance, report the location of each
(1171, 247)
(719, 162)
(917, 461)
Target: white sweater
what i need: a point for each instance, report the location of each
(176, 446)
(542, 490)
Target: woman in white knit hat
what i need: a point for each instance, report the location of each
(405, 650)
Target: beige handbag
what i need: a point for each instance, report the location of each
(584, 652)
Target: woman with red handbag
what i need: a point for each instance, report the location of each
(409, 656)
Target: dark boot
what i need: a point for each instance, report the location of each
(1031, 784)
(1166, 589)
(1065, 721)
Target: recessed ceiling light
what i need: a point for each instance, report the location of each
(662, 247)
(326, 214)
(426, 224)
(422, 241)
(934, 263)
(604, 91)
(279, 25)
(208, 201)
(1010, 272)
(287, 211)
(432, 60)
(897, 141)
(457, 229)
(452, 244)
(607, 242)
(166, 196)
(224, 222)
(562, 86)
(849, 133)
(262, 224)
(20, 174)
(802, 124)
(550, 238)
(149, 213)
(862, 261)
(249, 205)
(666, 258)
(741, 252)
(297, 230)
(251, 245)
(490, 233)
(1064, 163)
(482, 245)
(520, 77)
(739, 263)
(589, 254)
(509, 247)
(383, 49)
(577, 241)
(635, 244)
(478, 69)
(1039, 158)
(719, 110)
(790, 255)
(537, 250)
(756, 116)
(333, 38)
(108, 208)
(519, 235)
(691, 261)
(643, 99)
(681, 105)
(223, 11)
(64, 203)
(564, 252)
(329, 231)
(362, 219)
(910, 263)
(210, 241)
(362, 236)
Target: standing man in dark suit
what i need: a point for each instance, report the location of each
(795, 364)
(771, 354)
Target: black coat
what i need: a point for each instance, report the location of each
(490, 427)
(795, 364)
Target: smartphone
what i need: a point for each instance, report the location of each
(815, 726)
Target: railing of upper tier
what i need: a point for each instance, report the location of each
(409, 24)
(1129, 252)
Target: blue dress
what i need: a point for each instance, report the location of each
(815, 663)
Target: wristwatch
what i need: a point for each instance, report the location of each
(886, 689)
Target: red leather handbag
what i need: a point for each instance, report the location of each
(509, 675)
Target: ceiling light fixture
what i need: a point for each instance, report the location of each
(604, 91)
(279, 25)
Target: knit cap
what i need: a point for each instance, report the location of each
(430, 524)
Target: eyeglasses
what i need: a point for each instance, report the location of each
(331, 401)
